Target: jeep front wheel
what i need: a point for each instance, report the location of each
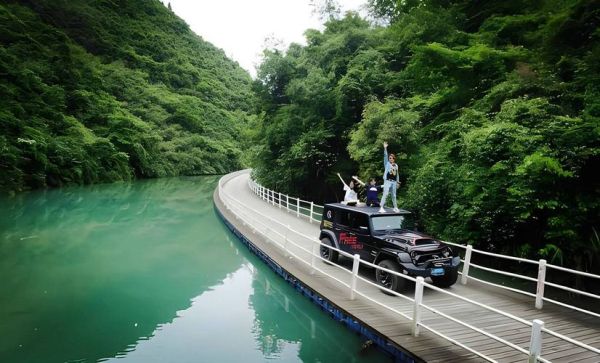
(447, 280)
(328, 254)
(388, 280)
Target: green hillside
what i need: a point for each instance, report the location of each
(99, 91)
(493, 108)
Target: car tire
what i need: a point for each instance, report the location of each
(388, 280)
(328, 254)
(447, 280)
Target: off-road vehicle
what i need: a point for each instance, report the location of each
(386, 239)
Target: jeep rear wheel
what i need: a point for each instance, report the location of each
(327, 253)
(447, 280)
(388, 280)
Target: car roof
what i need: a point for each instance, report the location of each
(370, 211)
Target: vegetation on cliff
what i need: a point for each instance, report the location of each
(493, 108)
(99, 91)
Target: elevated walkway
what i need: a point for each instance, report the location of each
(491, 325)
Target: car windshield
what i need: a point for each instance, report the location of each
(382, 223)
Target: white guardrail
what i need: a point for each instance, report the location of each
(314, 213)
(250, 216)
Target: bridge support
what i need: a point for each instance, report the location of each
(315, 249)
(541, 280)
(535, 345)
(465, 270)
(355, 265)
(285, 241)
(417, 307)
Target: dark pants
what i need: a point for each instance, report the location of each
(373, 203)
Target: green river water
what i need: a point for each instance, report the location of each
(146, 272)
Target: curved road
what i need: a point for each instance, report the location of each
(245, 209)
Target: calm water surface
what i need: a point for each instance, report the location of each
(146, 272)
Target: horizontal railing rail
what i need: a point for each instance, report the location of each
(312, 214)
(540, 281)
(250, 216)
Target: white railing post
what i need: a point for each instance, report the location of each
(297, 207)
(285, 241)
(313, 258)
(417, 307)
(312, 205)
(287, 203)
(465, 270)
(279, 200)
(355, 266)
(272, 197)
(535, 344)
(541, 281)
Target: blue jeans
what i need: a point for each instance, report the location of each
(387, 186)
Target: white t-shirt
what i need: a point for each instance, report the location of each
(351, 195)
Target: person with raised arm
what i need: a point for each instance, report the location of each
(351, 195)
(391, 179)
(372, 191)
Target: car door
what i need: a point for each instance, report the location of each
(343, 230)
(353, 233)
(360, 228)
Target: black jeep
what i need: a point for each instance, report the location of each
(385, 239)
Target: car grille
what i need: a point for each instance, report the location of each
(433, 257)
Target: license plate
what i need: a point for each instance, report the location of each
(437, 272)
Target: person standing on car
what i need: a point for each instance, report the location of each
(390, 178)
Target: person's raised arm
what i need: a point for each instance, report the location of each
(385, 154)
(358, 180)
(343, 182)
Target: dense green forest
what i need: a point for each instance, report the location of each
(106, 90)
(492, 106)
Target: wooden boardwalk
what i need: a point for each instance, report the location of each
(239, 205)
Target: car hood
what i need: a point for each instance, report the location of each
(411, 240)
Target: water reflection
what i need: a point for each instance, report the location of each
(275, 325)
(206, 331)
(145, 272)
(281, 317)
(108, 264)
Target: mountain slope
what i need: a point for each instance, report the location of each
(98, 91)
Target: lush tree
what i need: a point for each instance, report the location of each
(102, 91)
(492, 108)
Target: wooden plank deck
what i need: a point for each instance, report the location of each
(427, 346)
